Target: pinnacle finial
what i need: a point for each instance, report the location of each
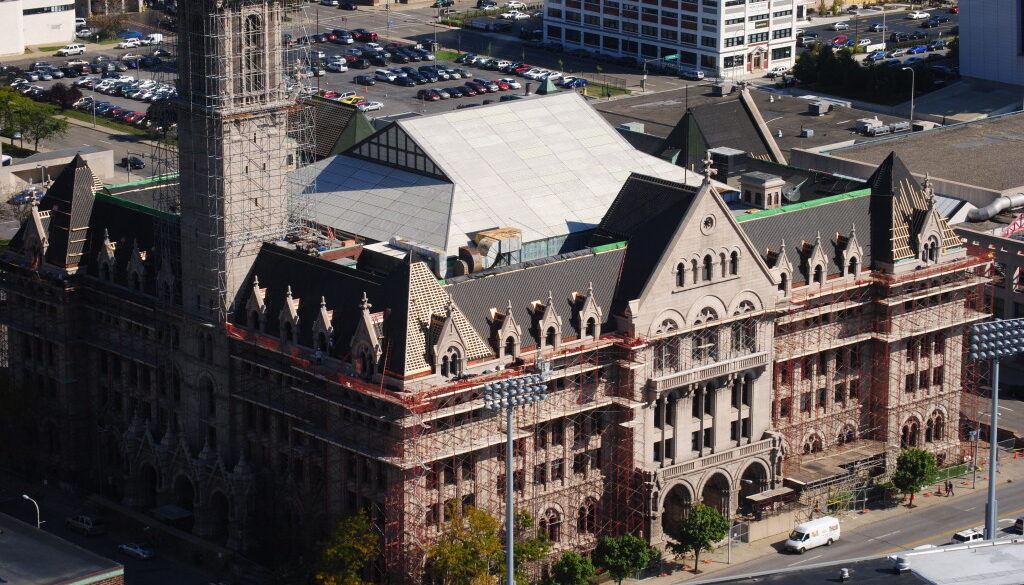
(289, 293)
(255, 281)
(551, 299)
(323, 302)
(508, 308)
(709, 169)
(853, 229)
(928, 189)
(365, 303)
(590, 289)
(782, 248)
(817, 239)
(106, 235)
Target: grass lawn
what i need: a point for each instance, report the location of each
(101, 121)
(446, 55)
(595, 89)
(113, 41)
(50, 49)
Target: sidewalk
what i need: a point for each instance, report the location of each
(1010, 470)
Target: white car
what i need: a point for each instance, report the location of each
(374, 47)
(512, 83)
(384, 75)
(370, 106)
(515, 4)
(513, 15)
(840, 26)
(918, 15)
(128, 44)
(337, 66)
(137, 550)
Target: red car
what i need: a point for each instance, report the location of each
(954, 10)
(469, 90)
(523, 67)
(330, 94)
(429, 95)
(840, 39)
(502, 85)
(364, 36)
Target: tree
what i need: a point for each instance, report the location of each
(108, 26)
(353, 545)
(37, 122)
(162, 115)
(63, 95)
(527, 549)
(914, 468)
(572, 569)
(699, 531)
(623, 556)
(467, 548)
(837, 7)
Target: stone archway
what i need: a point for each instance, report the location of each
(219, 511)
(675, 507)
(755, 479)
(716, 493)
(184, 498)
(148, 485)
(910, 433)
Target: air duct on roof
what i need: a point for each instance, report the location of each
(997, 206)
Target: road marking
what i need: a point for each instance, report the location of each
(805, 560)
(887, 534)
(1012, 514)
(969, 509)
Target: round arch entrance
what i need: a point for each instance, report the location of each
(753, 481)
(220, 511)
(676, 506)
(716, 493)
(184, 498)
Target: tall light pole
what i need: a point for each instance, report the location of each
(39, 521)
(995, 340)
(913, 76)
(507, 395)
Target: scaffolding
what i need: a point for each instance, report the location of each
(239, 168)
(870, 365)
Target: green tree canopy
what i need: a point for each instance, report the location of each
(527, 548)
(914, 468)
(38, 122)
(623, 556)
(353, 545)
(467, 549)
(699, 531)
(572, 569)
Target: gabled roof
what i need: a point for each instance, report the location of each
(69, 201)
(310, 279)
(330, 122)
(735, 123)
(560, 277)
(414, 298)
(549, 166)
(641, 198)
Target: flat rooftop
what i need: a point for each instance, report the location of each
(45, 559)
(986, 153)
(660, 112)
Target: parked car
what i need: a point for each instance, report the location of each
(965, 536)
(918, 15)
(878, 27)
(364, 36)
(72, 49)
(515, 4)
(384, 75)
(840, 26)
(512, 83)
(137, 550)
(429, 95)
(911, 62)
(128, 44)
(442, 3)
(814, 533)
(692, 74)
(364, 80)
(875, 56)
(86, 524)
(917, 50)
(370, 106)
(348, 6)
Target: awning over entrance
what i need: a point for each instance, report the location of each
(770, 495)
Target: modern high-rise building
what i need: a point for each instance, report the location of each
(730, 38)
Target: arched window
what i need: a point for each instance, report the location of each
(853, 267)
(591, 328)
(708, 268)
(552, 525)
(255, 320)
(934, 428)
(819, 274)
(705, 341)
(724, 263)
(695, 271)
(933, 249)
(253, 66)
(452, 363)
(783, 282)
(680, 275)
(586, 518)
(510, 346)
(734, 263)
(550, 337)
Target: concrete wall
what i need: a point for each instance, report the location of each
(992, 43)
(17, 175)
(13, 40)
(775, 525)
(48, 27)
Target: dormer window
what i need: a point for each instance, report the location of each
(819, 274)
(510, 346)
(853, 267)
(550, 337)
(451, 363)
(784, 283)
(591, 328)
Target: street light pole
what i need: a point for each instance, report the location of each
(507, 395)
(913, 77)
(995, 340)
(39, 521)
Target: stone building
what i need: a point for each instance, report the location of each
(250, 391)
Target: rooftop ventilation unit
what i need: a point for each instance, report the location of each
(819, 108)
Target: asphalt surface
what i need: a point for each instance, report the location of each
(934, 526)
(895, 22)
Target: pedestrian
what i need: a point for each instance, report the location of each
(949, 488)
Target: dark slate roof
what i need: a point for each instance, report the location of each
(802, 223)
(895, 209)
(127, 225)
(396, 291)
(69, 201)
(646, 143)
(310, 278)
(725, 123)
(560, 277)
(330, 120)
(640, 198)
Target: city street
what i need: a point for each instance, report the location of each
(893, 21)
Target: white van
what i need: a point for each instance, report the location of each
(824, 530)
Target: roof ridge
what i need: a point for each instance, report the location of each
(760, 214)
